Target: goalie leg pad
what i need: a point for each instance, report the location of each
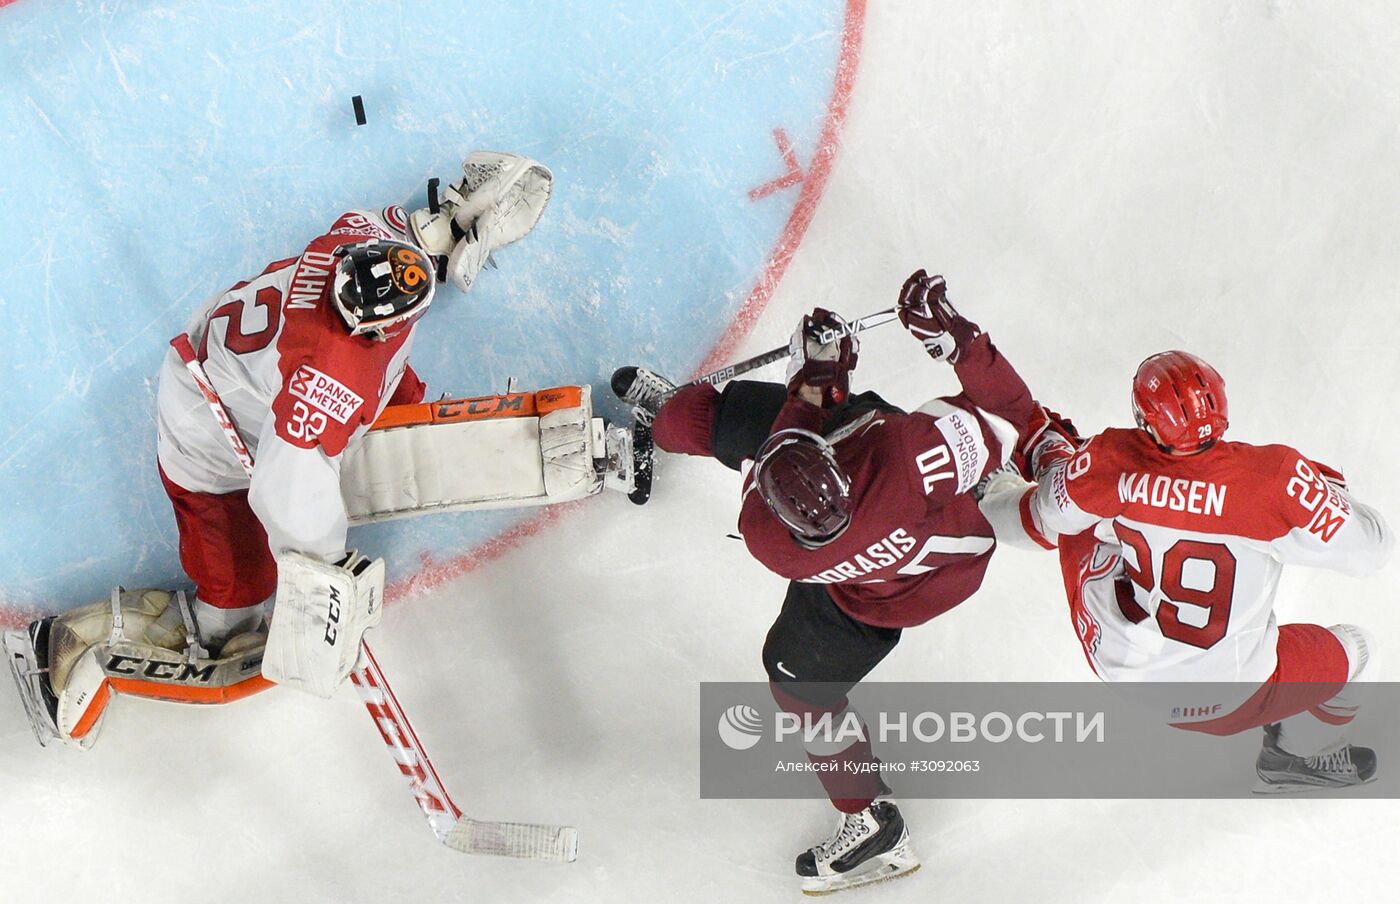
(131, 644)
(519, 449)
(321, 614)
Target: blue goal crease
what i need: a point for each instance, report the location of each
(156, 155)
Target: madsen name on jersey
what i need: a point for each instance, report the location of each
(1199, 497)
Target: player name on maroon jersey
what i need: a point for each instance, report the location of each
(878, 555)
(1199, 497)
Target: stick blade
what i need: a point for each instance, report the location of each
(514, 839)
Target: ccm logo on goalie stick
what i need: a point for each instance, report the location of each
(324, 393)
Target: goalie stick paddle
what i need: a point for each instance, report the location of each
(461, 833)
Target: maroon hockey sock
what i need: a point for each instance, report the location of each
(684, 422)
(851, 774)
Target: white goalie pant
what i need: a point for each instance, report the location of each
(518, 449)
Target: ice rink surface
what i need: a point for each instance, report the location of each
(1097, 181)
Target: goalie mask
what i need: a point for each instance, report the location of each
(802, 484)
(382, 287)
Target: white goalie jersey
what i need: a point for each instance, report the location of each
(300, 389)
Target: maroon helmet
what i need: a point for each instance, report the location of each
(799, 480)
(1180, 401)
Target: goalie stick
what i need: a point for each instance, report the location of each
(458, 832)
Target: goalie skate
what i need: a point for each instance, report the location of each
(867, 847)
(29, 669)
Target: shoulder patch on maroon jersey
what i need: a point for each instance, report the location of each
(947, 447)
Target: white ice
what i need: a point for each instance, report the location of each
(1098, 181)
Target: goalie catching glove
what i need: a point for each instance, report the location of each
(499, 199)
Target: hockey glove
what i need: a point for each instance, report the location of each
(1050, 438)
(926, 313)
(822, 365)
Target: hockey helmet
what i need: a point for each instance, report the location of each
(1180, 401)
(802, 484)
(382, 286)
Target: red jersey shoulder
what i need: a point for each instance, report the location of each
(331, 392)
(1306, 495)
(354, 226)
(331, 381)
(1091, 475)
(1233, 488)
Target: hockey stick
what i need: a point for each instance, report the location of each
(826, 335)
(642, 442)
(461, 833)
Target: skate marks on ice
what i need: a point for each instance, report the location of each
(198, 143)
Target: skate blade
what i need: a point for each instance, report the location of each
(1264, 787)
(24, 668)
(903, 865)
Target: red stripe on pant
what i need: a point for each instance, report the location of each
(1312, 669)
(223, 547)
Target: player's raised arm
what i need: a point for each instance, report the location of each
(988, 379)
(952, 443)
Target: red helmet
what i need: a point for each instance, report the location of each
(799, 480)
(1180, 401)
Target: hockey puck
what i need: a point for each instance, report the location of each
(359, 109)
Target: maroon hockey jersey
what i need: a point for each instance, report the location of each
(917, 544)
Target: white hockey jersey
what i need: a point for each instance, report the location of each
(298, 386)
(1197, 544)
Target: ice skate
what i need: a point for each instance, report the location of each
(869, 846)
(1340, 766)
(643, 390)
